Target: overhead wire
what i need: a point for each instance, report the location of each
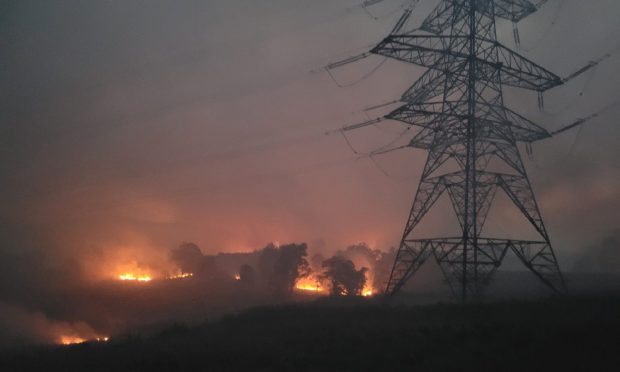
(362, 78)
(346, 139)
(591, 67)
(375, 151)
(584, 120)
(365, 7)
(393, 141)
(402, 22)
(577, 97)
(579, 123)
(378, 151)
(382, 169)
(547, 31)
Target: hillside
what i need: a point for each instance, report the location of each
(327, 335)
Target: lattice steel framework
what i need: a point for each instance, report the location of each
(459, 109)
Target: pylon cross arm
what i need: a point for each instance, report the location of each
(443, 15)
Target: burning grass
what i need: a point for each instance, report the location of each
(324, 284)
(135, 278)
(310, 283)
(181, 276)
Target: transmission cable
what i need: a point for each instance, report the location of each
(364, 77)
(590, 66)
(573, 101)
(579, 123)
(550, 27)
(367, 4)
(584, 120)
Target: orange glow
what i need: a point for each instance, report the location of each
(368, 290)
(181, 276)
(133, 277)
(310, 283)
(71, 340)
(75, 340)
(237, 277)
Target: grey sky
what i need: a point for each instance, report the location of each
(154, 122)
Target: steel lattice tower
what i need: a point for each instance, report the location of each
(458, 106)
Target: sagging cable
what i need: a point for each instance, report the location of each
(364, 77)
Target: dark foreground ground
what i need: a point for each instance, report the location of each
(553, 335)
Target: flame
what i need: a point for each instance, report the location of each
(181, 276)
(75, 340)
(237, 277)
(71, 340)
(368, 290)
(313, 284)
(309, 283)
(134, 277)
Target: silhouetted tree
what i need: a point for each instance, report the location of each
(189, 258)
(266, 261)
(247, 274)
(345, 279)
(290, 264)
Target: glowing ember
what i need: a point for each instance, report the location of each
(181, 276)
(237, 277)
(132, 277)
(310, 283)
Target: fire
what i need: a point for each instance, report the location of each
(71, 340)
(75, 340)
(237, 277)
(134, 277)
(368, 290)
(309, 283)
(181, 276)
(312, 283)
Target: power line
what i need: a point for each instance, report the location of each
(547, 32)
(364, 77)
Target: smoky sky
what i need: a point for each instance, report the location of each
(137, 125)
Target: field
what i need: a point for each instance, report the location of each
(333, 335)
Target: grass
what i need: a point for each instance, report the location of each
(578, 334)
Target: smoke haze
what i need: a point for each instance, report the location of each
(128, 127)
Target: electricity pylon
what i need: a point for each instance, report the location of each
(458, 106)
